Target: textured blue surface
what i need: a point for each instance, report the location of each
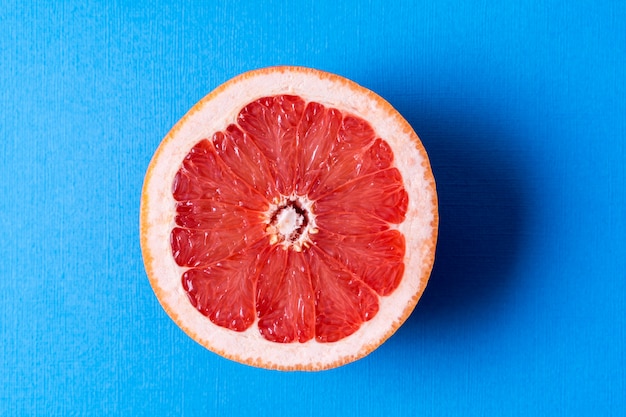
(521, 106)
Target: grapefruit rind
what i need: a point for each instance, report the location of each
(219, 109)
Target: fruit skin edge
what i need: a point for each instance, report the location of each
(429, 245)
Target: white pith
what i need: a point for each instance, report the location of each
(287, 221)
(215, 114)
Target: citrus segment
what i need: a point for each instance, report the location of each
(347, 158)
(224, 290)
(272, 122)
(203, 176)
(377, 259)
(317, 125)
(347, 223)
(239, 153)
(303, 219)
(285, 298)
(343, 301)
(381, 193)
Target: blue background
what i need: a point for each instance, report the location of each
(521, 106)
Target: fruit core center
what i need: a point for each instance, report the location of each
(290, 222)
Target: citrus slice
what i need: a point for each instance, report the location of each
(289, 220)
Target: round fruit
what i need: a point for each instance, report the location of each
(289, 220)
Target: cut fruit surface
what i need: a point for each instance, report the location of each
(289, 220)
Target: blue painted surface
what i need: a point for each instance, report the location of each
(521, 106)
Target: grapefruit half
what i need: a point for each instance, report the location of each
(289, 220)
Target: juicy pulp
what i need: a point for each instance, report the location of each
(320, 279)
